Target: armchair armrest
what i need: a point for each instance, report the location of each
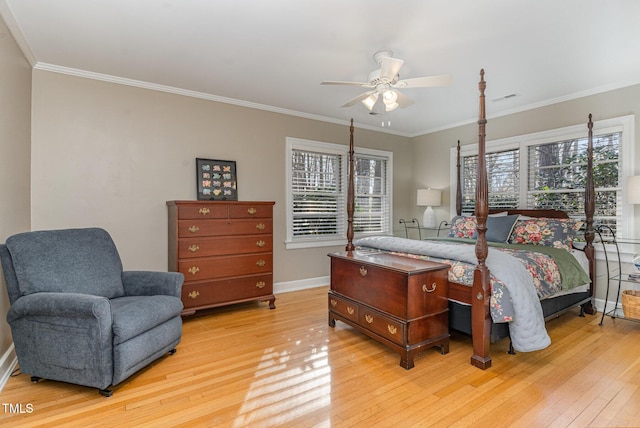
(150, 283)
(70, 305)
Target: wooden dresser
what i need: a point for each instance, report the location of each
(398, 301)
(225, 251)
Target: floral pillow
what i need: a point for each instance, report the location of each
(551, 232)
(463, 227)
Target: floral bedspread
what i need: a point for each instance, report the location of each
(543, 270)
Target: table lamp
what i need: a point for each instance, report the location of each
(429, 198)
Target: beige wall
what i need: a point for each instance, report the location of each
(15, 124)
(430, 150)
(110, 155)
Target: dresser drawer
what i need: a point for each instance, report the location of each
(202, 211)
(250, 211)
(343, 307)
(211, 246)
(385, 326)
(189, 228)
(225, 266)
(212, 293)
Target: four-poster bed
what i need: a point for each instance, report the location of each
(471, 304)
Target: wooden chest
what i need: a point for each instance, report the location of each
(225, 251)
(398, 301)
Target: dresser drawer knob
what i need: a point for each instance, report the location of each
(194, 270)
(429, 290)
(363, 271)
(260, 243)
(251, 211)
(350, 310)
(261, 263)
(333, 302)
(260, 226)
(392, 328)
(261, 284)
(368, 318)
(194, 248)
(204, 211)
(194, 229)
(193, 294)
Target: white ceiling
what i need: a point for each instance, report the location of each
(273, 54)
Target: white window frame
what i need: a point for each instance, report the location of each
(624, 124)
(331, 148)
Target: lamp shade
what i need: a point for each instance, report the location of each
(633, 189)
(429, 198)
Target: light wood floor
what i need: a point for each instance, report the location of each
(251, 366)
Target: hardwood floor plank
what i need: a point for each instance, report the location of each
(247, 365)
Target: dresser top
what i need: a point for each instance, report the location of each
(220, 202)
(381, 259)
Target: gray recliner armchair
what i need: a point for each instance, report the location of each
(77, 317)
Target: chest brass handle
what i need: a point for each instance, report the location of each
(261, 263)
(333, 302)
(350, 310)
(368, 318)
(194, 270)
(260, 284)
(251, 211)
(260, 243)
(204, 211)
(194, 248)
(194, 229)
(392, 328)
(363, 271)
(193, 294)
(260, 226)
(429, 290)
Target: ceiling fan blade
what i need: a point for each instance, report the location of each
(389, 67)
(361, 84)
(357, 99)
(403, 100)
(422, 82)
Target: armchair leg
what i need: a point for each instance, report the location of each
(35, 379)
(173, 351)
(106, 392)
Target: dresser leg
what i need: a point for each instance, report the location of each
(406, 360)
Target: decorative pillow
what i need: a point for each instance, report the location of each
(551, 232)
(499, 228)
(462, 227)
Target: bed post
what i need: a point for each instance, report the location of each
(589, 209)
(350, 194)
(458, 184)
(480, 295)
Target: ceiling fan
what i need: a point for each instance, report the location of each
(384, 83)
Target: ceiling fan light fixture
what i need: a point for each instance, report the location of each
(390, 107)
(390, 97)
(370, 101)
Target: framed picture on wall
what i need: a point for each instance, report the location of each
(216, 180)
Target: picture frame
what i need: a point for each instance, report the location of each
(216, 180)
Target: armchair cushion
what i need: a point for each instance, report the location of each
(134, 315)
(83, 261)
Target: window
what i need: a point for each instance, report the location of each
(317, 193)
(548, 170)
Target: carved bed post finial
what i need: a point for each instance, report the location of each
(481, 290)
(589, 210)
(459, 184)
(351, 193)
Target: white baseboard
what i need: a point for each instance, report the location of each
(301, 284)
(8, 362)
